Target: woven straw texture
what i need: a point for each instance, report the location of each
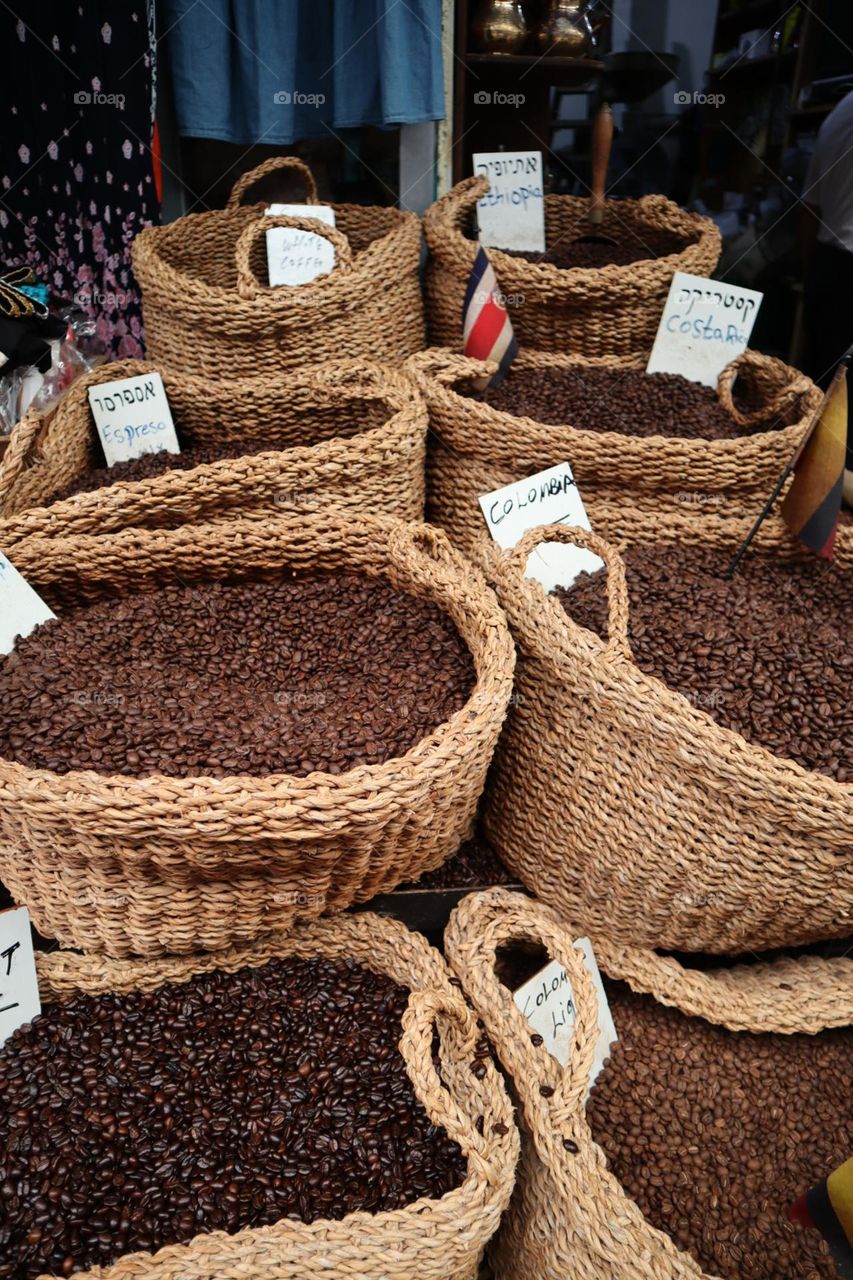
(153, 865)
(569, 1216)
(613, 310)
(475, 449)
(614, 793)
(208, 310)
(435, 1239)
(351, 435)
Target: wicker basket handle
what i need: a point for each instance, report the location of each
(250, 287)
(19, 449)
(486, 1099)
(447, 367)
(482, 923)
(777, 404)
(273, 165)
(410, 544)
(617, 588)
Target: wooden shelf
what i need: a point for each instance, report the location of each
(586, 68)
(765, 62)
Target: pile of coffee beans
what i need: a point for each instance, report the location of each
(629, 401)
(766, 653)
(130, 1122)
(157, 464)
(287, 676)
(584, 248)
(475, 866)
(715, 1133)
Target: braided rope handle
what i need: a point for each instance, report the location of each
(250, 287)
(454, 203)
(274, 165)
(445, 366)
(428, 1010)
(479, 926)
(753, 361)
(617, 588)
(21, 445)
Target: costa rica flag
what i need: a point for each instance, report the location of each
(487, 332)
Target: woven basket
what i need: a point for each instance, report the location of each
(208, 310)
(475, 449)
(157, 865)
(439, 1239)
(612, 792)
(350, 435)
(569, 1216)
(613, 310)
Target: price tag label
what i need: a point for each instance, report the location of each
(511, 215)
(549, 497)
(547, 1002)
(295, 256)
(19, 989)
(704, 326)
(21, 608)
(133, 417)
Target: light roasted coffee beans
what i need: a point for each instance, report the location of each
(130, 1122)
(715, 1133)
(767, 653)
(290, 676)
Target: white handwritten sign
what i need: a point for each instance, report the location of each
(549, 497)
(511, 215)
(21, 608)
(704, 326)
(547, 1002)
(295, 256)
(19, 988)
(133, 417)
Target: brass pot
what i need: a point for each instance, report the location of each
(565, 30)
(499, 27)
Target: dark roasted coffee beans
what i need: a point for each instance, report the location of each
(302, 674)
(766, 653)
(620, 248)
(624, 400)
(715, 1133)
(157, 464)
(135, 1121)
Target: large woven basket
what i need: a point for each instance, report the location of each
(612, 310)
(439, 1239)
(569, 1216)
(615, 794)
(350, 435)
(158, 864)
(208, 309)
(474, 449)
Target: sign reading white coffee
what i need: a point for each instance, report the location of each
(549, 497)
(511, 215)
(704, 326)
(19, 991)
(21, 608)
(296, 256)
(133, 417)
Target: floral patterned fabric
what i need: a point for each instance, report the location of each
(76, 172)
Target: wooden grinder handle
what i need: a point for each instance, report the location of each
(602, 144)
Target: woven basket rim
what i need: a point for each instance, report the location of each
(502, 419)
(672, 707)
(442, 228)
(372, 937)
(493, 663)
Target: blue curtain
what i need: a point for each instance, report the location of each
(275, 71)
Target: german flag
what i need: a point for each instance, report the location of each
(812, 505)
(828, 1208)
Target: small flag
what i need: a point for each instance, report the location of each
(486, 328)
(828, 1207)
(812, 506)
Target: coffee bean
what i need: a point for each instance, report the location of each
(766, 653)
(130, 1122)
(630, 246)
(624, 400)
(715, 1133)
(287, 676)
